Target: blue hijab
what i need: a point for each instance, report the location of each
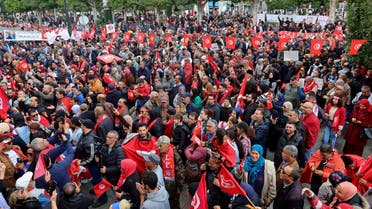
(281, 100)
(254, 168)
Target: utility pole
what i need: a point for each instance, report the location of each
(67, 16)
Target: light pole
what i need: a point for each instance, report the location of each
(67, 16)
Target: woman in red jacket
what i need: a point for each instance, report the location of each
(336, 114)
(361, 117)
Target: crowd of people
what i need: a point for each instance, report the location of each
(151, 121)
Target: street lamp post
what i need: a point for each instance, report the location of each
(67, 16)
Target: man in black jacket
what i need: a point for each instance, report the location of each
(85, 152)
(72, 198)
(289, 194)
(110, 157)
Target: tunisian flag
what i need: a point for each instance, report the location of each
(23, 66)
(152, 39)
(100, 188)
(135, 149)
(126, 37)
(199, 201)
(355, 46)
(269, 100)
(255, 42)
(282, 42)
(140, 38)
(4, 105)
(316, 46)
(207, 42)
(228, 183)
(40, 168)
(168, 37)
(186, 39)
(230, 42)
(240, 102)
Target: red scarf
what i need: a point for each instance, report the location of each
(128, 167)
(168, 164)
(309, 87)
(99, 121)
(121, 110)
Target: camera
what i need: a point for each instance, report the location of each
(19, 160)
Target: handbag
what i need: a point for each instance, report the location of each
(366, 133)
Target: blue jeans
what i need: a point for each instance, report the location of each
(330, 137)
(96, 178)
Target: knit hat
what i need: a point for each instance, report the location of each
(337, 177)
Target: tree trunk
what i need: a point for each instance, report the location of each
(201, 4)
(94, 10)
(157, 15)
(254, 11)
(332, 10)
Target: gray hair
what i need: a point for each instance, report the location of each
(115, 133)
(292, 150)
(295, 173)
(288, 105)
(37, 144)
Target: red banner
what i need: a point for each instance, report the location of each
(212, 63)
(200, 200)
(316, 46)
(355, 46)
(230, 42)
(228, 183)
(40, 168)
(282, 42)
(207, 42)
(4, 105)
(126, 37)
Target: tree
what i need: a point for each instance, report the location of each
(332, 10)
(358, 22)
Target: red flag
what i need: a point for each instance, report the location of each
(228, 183)
(152, 39)
(101, 187)
(4, 105)
(40, 168)
(230, 42)
(255, 42)
(316, 46)
(213, 63)
(140, 38)
(186, 39)
(282, 42)
(43, 28)
(196, 140)
(355, 46)
(240, 102)
(85, 34)
(207, 42)
(200, 201)
(103, 33)
(19, 153)
(35, 27)
(168, 37)
(126, 37)
(23, 66)
(269, 100)
(136, 149)
(114, 36)
(92, 33)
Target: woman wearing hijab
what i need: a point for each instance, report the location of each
(361, 117)
(346, 196)
(328, 189)
(260, 174)
(126, 187)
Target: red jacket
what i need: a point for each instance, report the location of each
(365, 171)
(312, 125)
(358, 160)
(143, 91)
(338, 118)
(335, 163)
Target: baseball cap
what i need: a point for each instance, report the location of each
(186, 95)
(152, 158)
(163, 99)
(87, 123)
(163, 140)
(23, 181)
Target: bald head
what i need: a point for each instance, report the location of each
(307, 108)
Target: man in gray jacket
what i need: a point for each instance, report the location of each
(157, 197)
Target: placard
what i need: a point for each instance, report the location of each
(291, 55)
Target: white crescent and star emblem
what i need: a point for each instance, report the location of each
(207, 41)
(317, 46)
(226, 183)
(230, 42)
(257, 42)
(101, 186)
(357, 46)
(195, 201)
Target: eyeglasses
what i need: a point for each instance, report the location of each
(29, 153)
(34, 115)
